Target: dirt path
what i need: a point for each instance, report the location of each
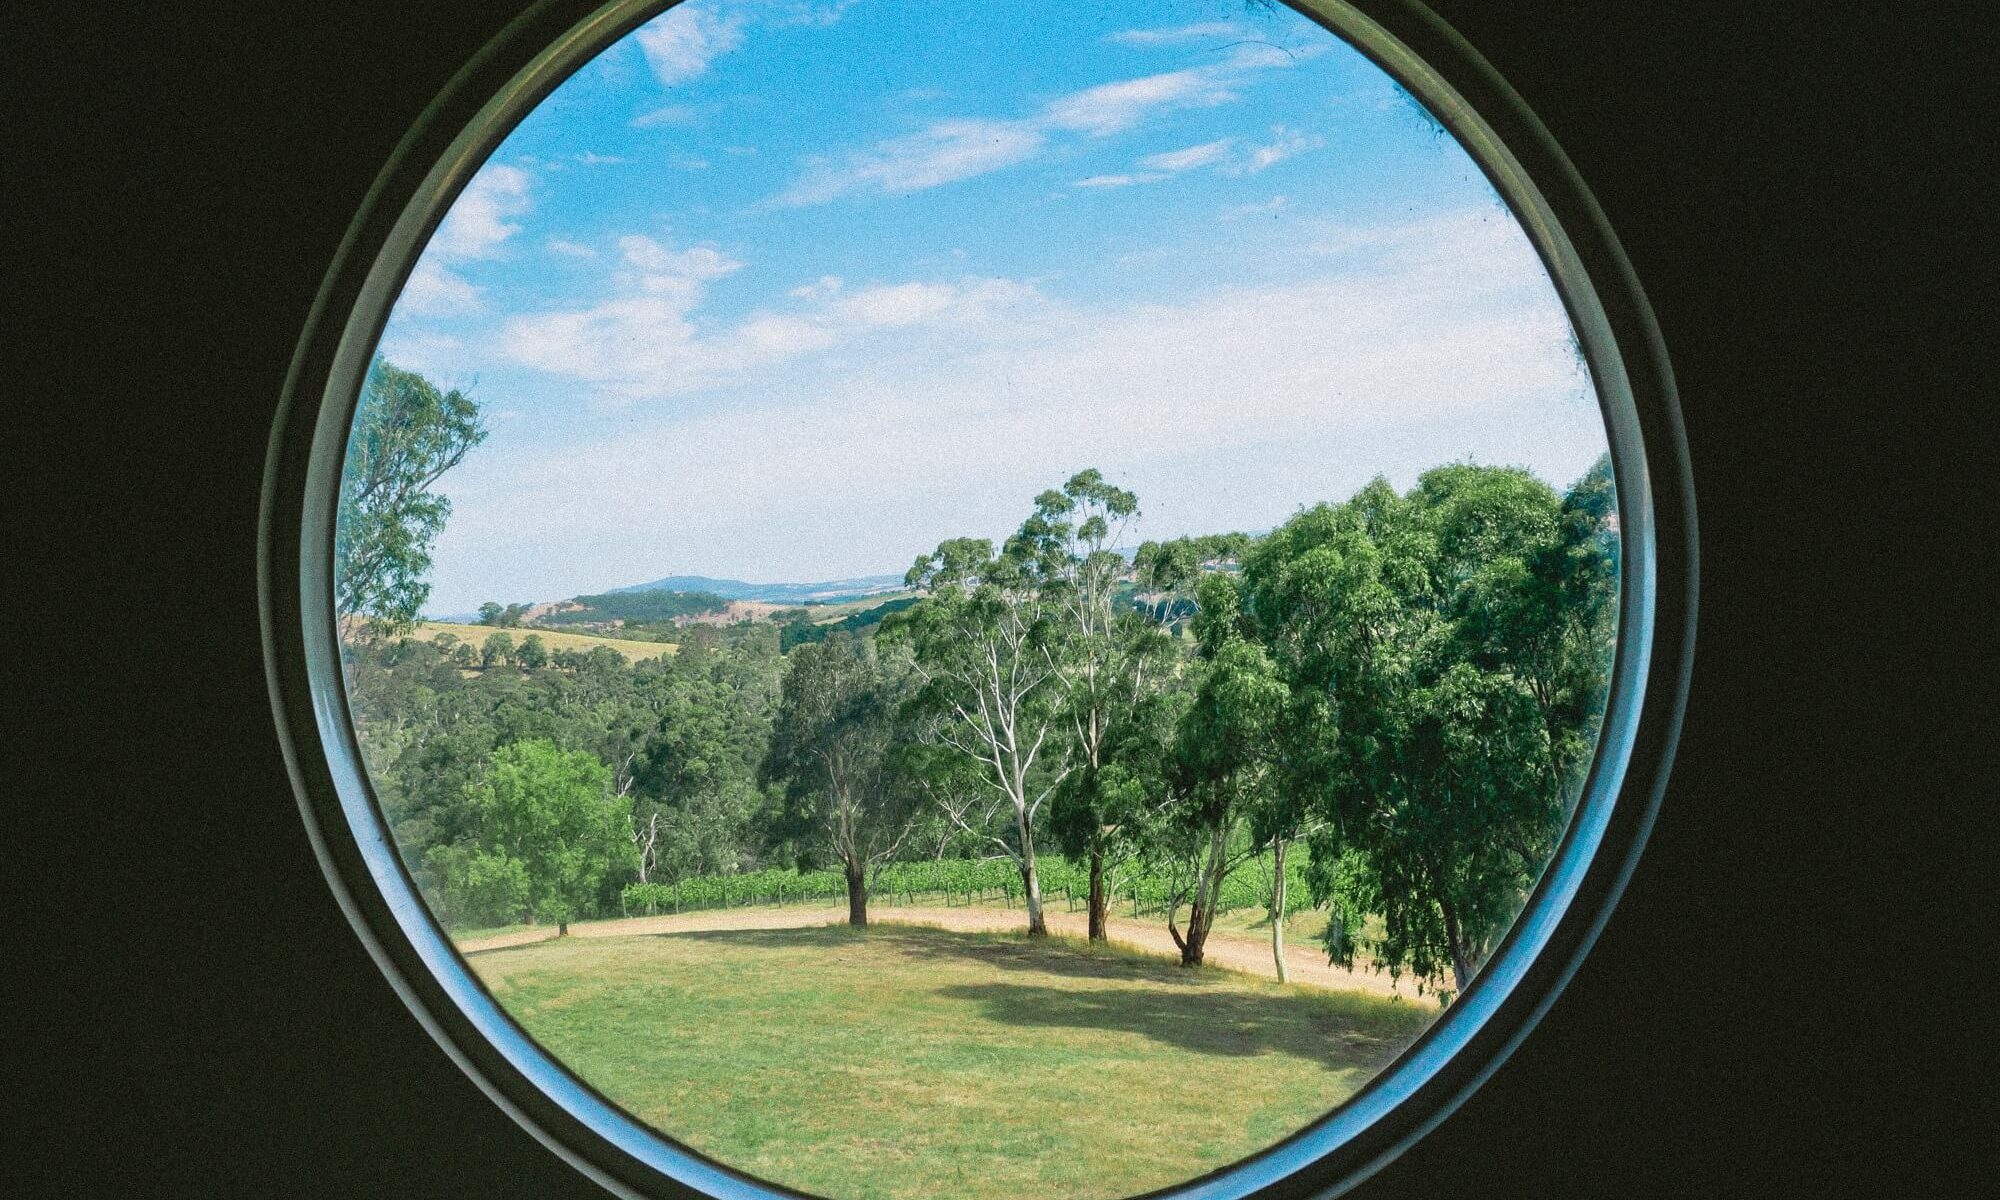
(1251, 955)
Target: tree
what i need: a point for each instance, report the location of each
(553, 812)
(1222, 757)
(490, 612)
(984, 644)
(1109, 657)
(532, 654)
(406, 435)
(1418, 647)
(497, 650)
(832, 750)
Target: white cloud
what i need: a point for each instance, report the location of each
(569, 249)
(1176, 161)
(590, 159)
(1419, 343)
(434, 291)
(671, 114)
(1115, 181)
(805, 12)
(1264, 209)
(1185, 33)
(945, 152)
(680, 43)
(700, 264)
(481, 217)
(430, 354)
(953, 150)
(1219, 155)
(1289, 142)
(1112, 108)
(825, 285)
(646, 342)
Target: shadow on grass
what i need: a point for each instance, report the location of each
(1222, 1023)
(1194, 1010)
(1067, 957)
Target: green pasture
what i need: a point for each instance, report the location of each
(553, 639)
(900, 1062)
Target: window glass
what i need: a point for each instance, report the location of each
(978, 600)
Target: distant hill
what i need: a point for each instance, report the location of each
(476, 635)
(631, 607)
(774, 593)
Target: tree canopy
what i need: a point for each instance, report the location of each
(406, 435)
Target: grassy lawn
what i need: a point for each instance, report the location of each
(904, 1062)
(554, 640)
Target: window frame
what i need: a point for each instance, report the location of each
(1561, 919)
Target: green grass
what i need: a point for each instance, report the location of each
(900, 1062)
(554, 640)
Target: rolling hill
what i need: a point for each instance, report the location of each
(554, 640)
(774, 593)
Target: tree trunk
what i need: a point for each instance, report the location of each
(1278, 909)
(1031, 882)
(1200, 917)
(1207, 893)
(562, 928)
(1098, 900)
(857, 895)
(1461, 960)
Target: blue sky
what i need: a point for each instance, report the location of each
(794, 289)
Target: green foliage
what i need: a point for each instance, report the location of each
(636, 608)
(498, 650)
(800, 630)
(951, 880)
(532, 654)
(504, 617)
(479, 886)
(406, 434)
(1442, 652)
(681, 743)
(1405, 687)
(547, 817)
(832, 754)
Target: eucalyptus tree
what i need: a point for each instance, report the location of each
(406, 435)
(1402, 628)
(1223, 762)
(532, 654)
(497, 650)
(1112, 658)
(985, 643)
(832, 749)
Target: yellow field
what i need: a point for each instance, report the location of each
(477, 635)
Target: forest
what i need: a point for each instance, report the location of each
(1383, 708)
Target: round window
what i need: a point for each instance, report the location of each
(878, 598)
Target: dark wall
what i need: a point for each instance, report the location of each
(1767, 1014)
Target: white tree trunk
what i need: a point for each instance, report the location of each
(1278, 910)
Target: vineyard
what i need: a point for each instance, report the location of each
(958, 881)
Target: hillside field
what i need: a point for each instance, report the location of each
(901, 1062)
(554, 640)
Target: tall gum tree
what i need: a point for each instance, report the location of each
(406, 435)
(985, 643)
(1108, 658)
(832, 748)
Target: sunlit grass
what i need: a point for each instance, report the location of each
(904, 1062)
(551, 638)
